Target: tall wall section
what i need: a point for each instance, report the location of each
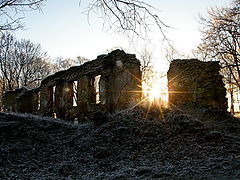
(194, 81)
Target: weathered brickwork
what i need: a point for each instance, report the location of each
(194, 81)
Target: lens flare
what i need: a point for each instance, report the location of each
(154, 93)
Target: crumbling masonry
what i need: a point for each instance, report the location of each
(109, 83)
(198, 82)
(113, 82)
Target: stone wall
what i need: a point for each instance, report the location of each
(10, 99)
(63, 98)
(28, 101)
(118, 87)
(113, 82)
(194, 81)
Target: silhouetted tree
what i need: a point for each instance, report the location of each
(171, 53)
(62, 64)
(221, 37)
(134, 17)
(11, 12)
(32, 63)
(221, 41)
(146, 66)
(79, 60)
(22, 63)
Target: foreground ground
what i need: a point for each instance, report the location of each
(200, 144)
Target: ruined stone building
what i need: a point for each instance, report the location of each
(194, 81)
(111, 82)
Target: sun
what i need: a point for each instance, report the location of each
(154, 93)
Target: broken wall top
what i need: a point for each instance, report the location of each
(193, 70)
(14, 92)
(188, 63)
(101, 66)
(27, 93)
(191, 80)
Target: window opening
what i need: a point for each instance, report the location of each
(39, 101)
(96, 88)
(75, 84)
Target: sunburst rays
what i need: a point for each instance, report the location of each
(154, 96)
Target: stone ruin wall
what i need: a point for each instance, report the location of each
(119, 87)
(198, 82)
(190, 81)
(10, 99)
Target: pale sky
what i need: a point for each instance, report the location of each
(63, 29)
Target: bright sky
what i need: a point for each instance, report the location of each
(63, 29)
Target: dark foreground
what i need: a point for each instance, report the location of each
(203, 145)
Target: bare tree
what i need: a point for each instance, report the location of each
(221, 37)
(7, 65)
(171, 53)
(62, 64)
(148, 73)
(134, 17)
(81, 60)
(22, 63)
(11, 12)
(30, 60)
(131, 17)
(221, 41)
(146, 65)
